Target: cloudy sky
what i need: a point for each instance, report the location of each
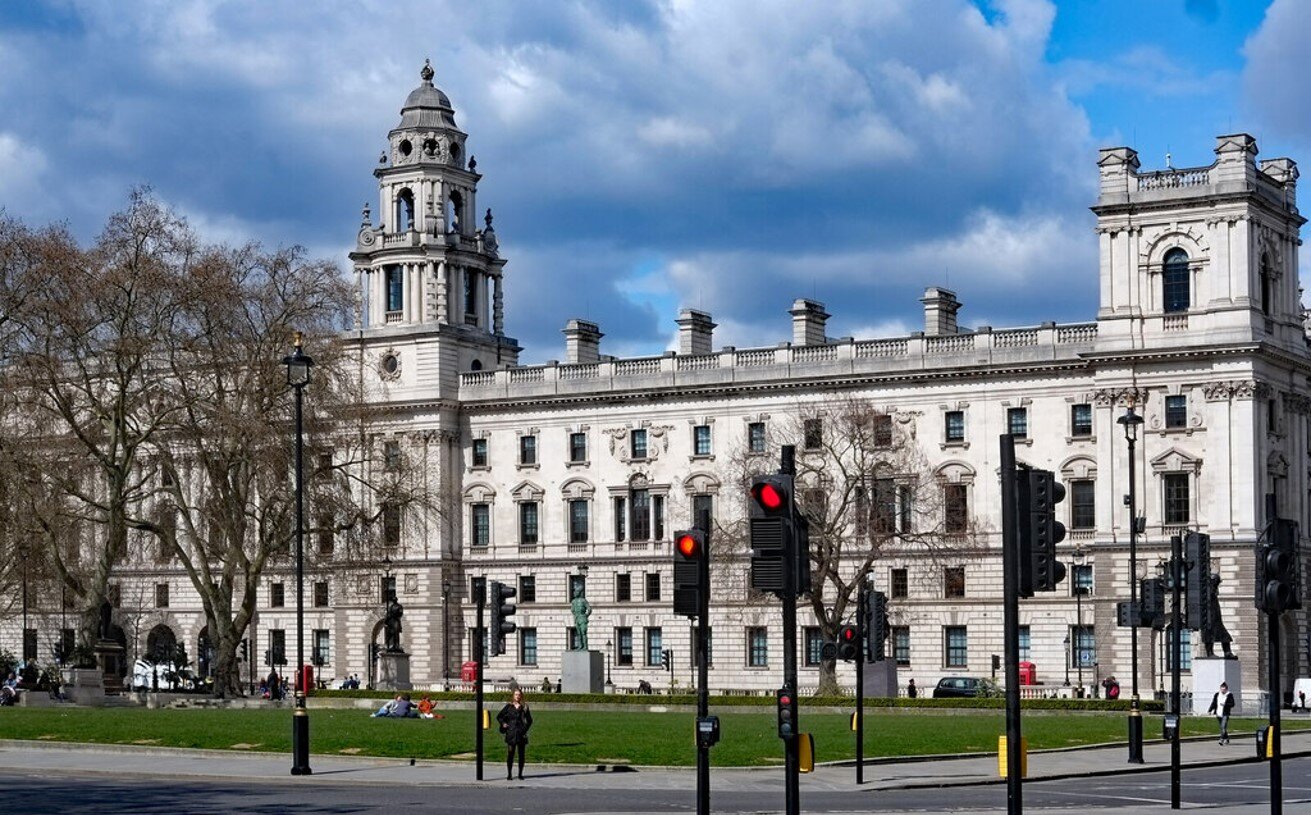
(642, 156)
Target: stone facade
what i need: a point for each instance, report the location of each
(1199, 326)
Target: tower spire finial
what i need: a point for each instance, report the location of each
(426, 73)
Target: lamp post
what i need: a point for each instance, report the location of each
(609, 685)
(1131, 422)
(1078, 616)
(1067, 660)
(298, 376)
(446, 633)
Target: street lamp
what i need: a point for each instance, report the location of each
(1067, 660)
(609, 685)
(1132, 421)
(1078, 616)
(298, 376)
(446, 633)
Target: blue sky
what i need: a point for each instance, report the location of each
(643, 156)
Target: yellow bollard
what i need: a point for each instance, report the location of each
(806, 753)
(487, 719)
(1002, 756)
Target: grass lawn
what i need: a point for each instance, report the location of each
(575, 737)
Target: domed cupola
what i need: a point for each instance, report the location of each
(427, 132)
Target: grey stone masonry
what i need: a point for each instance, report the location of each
(808, 319)
(582, 342)
(695, 332)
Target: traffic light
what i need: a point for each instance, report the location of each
(772, 533)
(245, 650)
(499, 623)
(667, 660)
(1151, 603)
(1277, 587)
(1197, 589)
(848, 643)
(1124, 614)
(1039, 531)
(876, 625)
(787, 713)
(691, 571)
(268, 656)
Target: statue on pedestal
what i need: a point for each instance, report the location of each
(106, 627)
(1216, 631)
(392, 625)
(582, 610)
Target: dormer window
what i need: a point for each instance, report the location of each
(1174, 281)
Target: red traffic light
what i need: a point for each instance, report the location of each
(689, 546)
(785, 700)
(848, 633)
(769, 496)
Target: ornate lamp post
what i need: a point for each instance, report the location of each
(1131, 422)
(609, 685)
(298, 376)
(446, 633)
(1067, 660)
(1078, 616)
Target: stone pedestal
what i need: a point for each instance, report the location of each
(394, 670)
(881, 678)
(84, 686)
(582, 672)
(1208, 673)
(110, 656)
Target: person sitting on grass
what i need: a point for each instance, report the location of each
(388, 708)
(428, 708)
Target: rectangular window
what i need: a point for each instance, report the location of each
(1176, 411)
(954, 426)
(953, 582)
(621, 515)
(578, 526)
(395, 288)
(1081, 579)
(899, 583)
(884, 515)
(480, 521)
(321, 594)
(527, 646)
(527, 450)
(1081, 421)
(955, 646)
(701, 440)
(578, 447)
(814, 639)
(623, 588)
(388, 587)
(1175, 486)
(756, 437)
(813, 433)
(640, 501)
(905, 508)
(527, 588)
(1017, 422)
(528, 523)
(658, 517)
(1025, 641)
(477, 589)
(624, 653)
(391, 524)
(161, 595)
(29, 644)
(1185, 649)
(638, 444)
(955, 509)
(478, 454)
(653, 587)
(1083, 507)
(277, 595)
(1085, 646)
(278, 646)
(882, 431)
(757, 647)
(703, 506)
(391, 456)
(901, 644)
(654, 647)
(470, 298)
(327, 534)
(322, 647)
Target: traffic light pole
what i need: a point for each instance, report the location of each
(1011, 614)
(791, 745)
(1176, 639)
(703, 669)
(478, 637)
(1276, 699)
(862, 610)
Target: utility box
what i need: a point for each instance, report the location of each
(1002, 767)
(1264, 747)
(1169, 727)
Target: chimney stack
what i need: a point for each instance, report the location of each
(582, 342)
(940, 307)
(695, 331)
(808, 318)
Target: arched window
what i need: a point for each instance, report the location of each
(404, 210)
(395, 283)
(1174, 281)
(1267, 286)
(454, 204)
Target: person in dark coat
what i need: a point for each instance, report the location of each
(515, 720)
(1222, 704)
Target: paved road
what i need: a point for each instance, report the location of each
(40, 778)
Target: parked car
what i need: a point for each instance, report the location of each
(957, 687)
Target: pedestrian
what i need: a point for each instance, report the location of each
(1301, 698)
(1222, 704)
(1112, 687)
(515, 720)
(275, 686)
(911, 690)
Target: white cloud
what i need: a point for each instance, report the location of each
(22, 166)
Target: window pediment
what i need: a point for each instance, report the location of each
(479, 494)
(1175, 460)
(527, 491)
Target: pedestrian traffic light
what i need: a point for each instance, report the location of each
(501, 610)
(691, 572)
(268, 657)
(876, 625)
(1125, 616)
(1277, 587)
(848, 643)
(1197, 589)
(1039, 531)
(773, 533)
(787, 713)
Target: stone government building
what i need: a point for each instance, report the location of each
(581, 470)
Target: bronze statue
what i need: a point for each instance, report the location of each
(106, 620)
(582, 610)
(1216, 631)
(392, 625)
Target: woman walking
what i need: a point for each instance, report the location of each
(515, 720)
